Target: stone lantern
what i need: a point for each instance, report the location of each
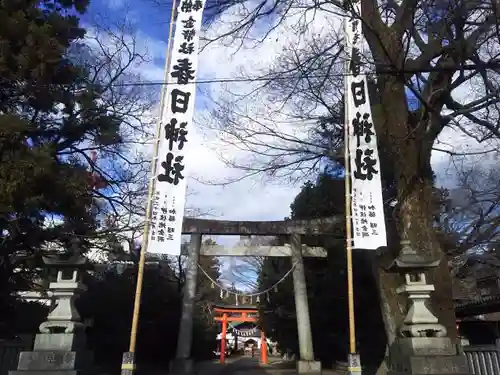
(60, 347)
(419, 320)
(65, 318)
(422, 346)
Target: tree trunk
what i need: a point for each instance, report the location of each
(409, 151)
(406, 146)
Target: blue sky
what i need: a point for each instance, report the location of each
(145, 14)
(253, 199)
(151, 25)
(143, 17)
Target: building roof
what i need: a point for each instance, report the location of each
(478, 306)
(479, 266)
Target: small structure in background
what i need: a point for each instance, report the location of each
(477, 296)
(243, 336)
(60, 347)
(226, 314)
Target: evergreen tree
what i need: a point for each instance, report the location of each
(52, 110)
(109, 304)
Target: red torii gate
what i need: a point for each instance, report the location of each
(239, 314)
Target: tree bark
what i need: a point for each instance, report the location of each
(410, 153)
(406, 145)
(407, 154)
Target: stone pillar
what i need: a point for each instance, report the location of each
(306, 363)
(60, 347)
(422, 347)
(183, 363)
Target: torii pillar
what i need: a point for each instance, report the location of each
(183, 363)
(306, 364)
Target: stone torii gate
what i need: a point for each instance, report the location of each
(294, 229)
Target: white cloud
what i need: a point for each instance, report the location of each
(251, 199)
(225, 59)
(115, 4)
(248, 200)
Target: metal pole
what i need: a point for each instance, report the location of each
(128, 362)
(353, 360)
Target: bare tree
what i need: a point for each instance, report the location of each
(298, 120)
(111, 56)
(436, 50)
(86, 98)
(470, 216)
(114, 58)
(245, 272)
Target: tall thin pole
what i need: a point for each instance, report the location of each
(347, 178)
(350, 286)
(145, 242)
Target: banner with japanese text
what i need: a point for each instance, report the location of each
(176, 119)
(366, 188)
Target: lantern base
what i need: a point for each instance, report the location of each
(426, 355)
(54, 362)
(56, 353)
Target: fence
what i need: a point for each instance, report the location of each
(483, 359)
(9, 352)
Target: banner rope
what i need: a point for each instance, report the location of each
(265, 291)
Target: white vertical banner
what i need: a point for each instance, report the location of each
(169, 195)
(366, 188)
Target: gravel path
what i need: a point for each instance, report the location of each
(250, 366)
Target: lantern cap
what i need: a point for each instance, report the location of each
(408, 259)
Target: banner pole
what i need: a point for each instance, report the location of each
(128, 362)
(354, 366)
